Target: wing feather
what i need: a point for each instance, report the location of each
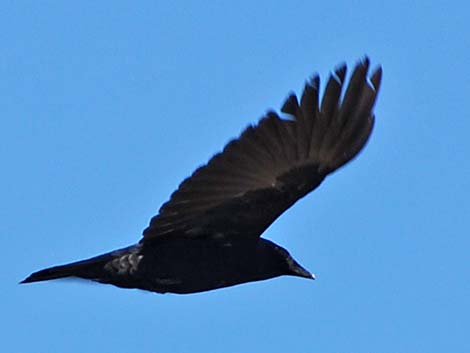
(256, 177)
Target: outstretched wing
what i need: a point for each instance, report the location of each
(258, 176)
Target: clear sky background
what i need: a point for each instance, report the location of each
(107, 106)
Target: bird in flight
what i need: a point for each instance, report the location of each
(208, 235)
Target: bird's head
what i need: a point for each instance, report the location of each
(279, 262)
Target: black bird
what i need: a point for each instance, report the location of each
(207, 235)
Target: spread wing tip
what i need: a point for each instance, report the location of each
(353, 121)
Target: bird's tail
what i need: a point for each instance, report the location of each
(89, 269)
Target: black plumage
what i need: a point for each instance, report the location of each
(207, 235)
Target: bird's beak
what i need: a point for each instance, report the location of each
(299, 271)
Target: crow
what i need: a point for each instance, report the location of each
(208, 235)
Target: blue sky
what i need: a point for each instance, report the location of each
(107, 106)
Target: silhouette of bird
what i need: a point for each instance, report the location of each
(207, 235)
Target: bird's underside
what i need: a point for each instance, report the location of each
(207, 235)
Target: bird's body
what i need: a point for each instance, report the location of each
(182, 265)
(207, 235)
